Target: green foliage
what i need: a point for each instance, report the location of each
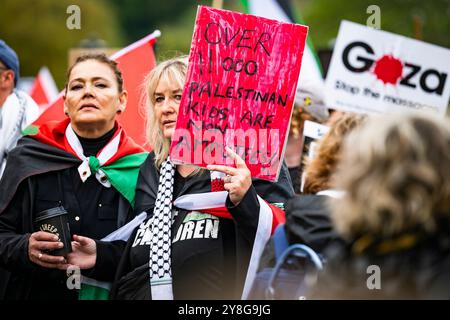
(177, 33)
(37, 30)
(397, 16)
(141, 17)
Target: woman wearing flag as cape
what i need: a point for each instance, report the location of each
(87, 165)
(194, 243)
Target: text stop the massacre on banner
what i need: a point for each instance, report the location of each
(374, 71)
(239, 91)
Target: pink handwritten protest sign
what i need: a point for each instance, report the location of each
(239, 91)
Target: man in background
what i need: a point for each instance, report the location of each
(17, 109)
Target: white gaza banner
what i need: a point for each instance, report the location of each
(374, 71)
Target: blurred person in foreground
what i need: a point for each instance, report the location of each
(395, 213)
(308, 218)
(17, 109)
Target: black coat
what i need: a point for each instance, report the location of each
(35, 166)
(307, 222)
(234, 248)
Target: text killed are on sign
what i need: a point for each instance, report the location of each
(239, 91)
(374, 71)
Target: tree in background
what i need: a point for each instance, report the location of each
(175, 19)
(141, 17)
(427, 20)
(37, 30)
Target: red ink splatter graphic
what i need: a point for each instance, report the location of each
(217, 185)
(388, 69)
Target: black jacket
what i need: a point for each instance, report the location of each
(307, 222)
(42, 180)
(206, 268)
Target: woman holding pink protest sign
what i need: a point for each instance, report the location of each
(194, 243)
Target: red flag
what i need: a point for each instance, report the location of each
(44, 89)
(135, 62)
(278, 215)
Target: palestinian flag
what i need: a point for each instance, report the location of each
(196, 195)
(92, 289)
(270, 216)
(281, 10)
(49, 148)
(46, 148)
(214, 204)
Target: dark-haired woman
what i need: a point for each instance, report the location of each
(74, 163)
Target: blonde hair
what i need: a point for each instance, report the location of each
(396, 174)
(318, 170)
(172, 70)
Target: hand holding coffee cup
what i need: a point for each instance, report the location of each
(39, 244)
(51, 244)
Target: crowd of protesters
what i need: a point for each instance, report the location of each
(375, 193)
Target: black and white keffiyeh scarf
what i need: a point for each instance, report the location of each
(161, 229)
(160, 243)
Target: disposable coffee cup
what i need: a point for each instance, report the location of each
(56, 221)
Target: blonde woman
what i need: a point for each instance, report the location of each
(395, 215)
(182, 253)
